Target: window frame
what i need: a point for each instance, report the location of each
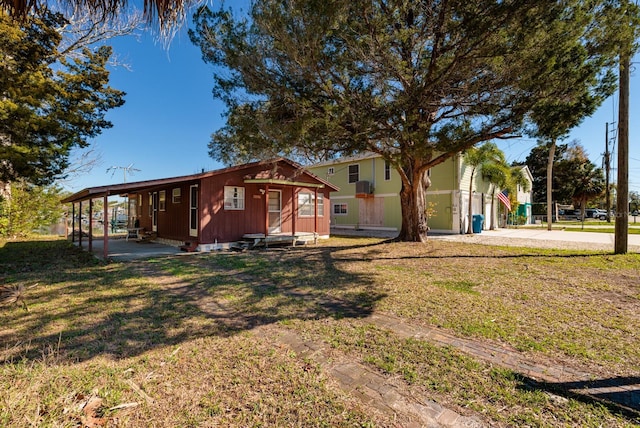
(176, 197)
(351, 174)
(235, 201)
(162, 200)
(342, 205)
(303, 208)
(387, 170)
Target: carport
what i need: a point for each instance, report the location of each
(88, 196)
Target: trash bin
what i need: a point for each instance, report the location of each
(478, 220)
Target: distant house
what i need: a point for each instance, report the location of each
(525, 199)
(207, 210)
(369, 195)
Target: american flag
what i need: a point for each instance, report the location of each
(504, 198)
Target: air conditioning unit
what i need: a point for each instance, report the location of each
(364, 189)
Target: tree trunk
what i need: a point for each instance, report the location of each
(412, 199)
(552, 153)
(470, 220)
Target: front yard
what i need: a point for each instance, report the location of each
(171, 341)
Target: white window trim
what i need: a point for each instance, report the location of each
(235, 200)
(310, 203)
(340, 204)
(176, 195)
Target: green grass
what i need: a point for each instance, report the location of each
(173, 335)
(456, 380)
(632, 231)
(107, 332)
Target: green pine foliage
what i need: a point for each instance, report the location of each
(416, 82)
(49, 104)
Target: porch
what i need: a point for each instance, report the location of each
(121, 249)
(254, 240)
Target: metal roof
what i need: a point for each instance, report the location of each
(125, 188)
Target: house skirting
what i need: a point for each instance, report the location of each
(364, 227)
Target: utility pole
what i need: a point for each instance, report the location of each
(621, 239)
(607, 168)
(552, 152)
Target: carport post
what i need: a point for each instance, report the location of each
(80, 224)
(90, 225)
(105, 227)
(266, 209)
(73, 222)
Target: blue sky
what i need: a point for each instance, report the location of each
(164, 127)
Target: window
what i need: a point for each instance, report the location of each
(340, 209)
(150, 204)
(387, 170)
(331, 171)
(162, 201)
(176, 196)
(354, 173)
(233, 198)
(139, 211)
(306, 205)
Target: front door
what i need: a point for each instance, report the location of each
(275, 211)
(154, 212)
(193, 211)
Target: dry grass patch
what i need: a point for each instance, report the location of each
(577, 307)
(460, 382)
(106, 345)
(173, 335)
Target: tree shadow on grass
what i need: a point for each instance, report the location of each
(83, 309)
(619, 395)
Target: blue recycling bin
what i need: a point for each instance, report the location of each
(478, 220)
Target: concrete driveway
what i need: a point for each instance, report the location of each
(534, 237)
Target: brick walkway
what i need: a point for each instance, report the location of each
(370, 387)
(620, 391)
(387, 394)
(381, 393)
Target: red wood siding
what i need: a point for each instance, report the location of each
(218, 224)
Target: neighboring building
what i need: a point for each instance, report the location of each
(207, 210)
(525, 199)
(369, 195)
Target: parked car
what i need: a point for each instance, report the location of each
(595, 213)
(635, 213)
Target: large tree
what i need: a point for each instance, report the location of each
(49, 104)
(416, 82)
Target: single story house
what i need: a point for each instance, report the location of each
(212, 209)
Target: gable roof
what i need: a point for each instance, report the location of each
(263, 177)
